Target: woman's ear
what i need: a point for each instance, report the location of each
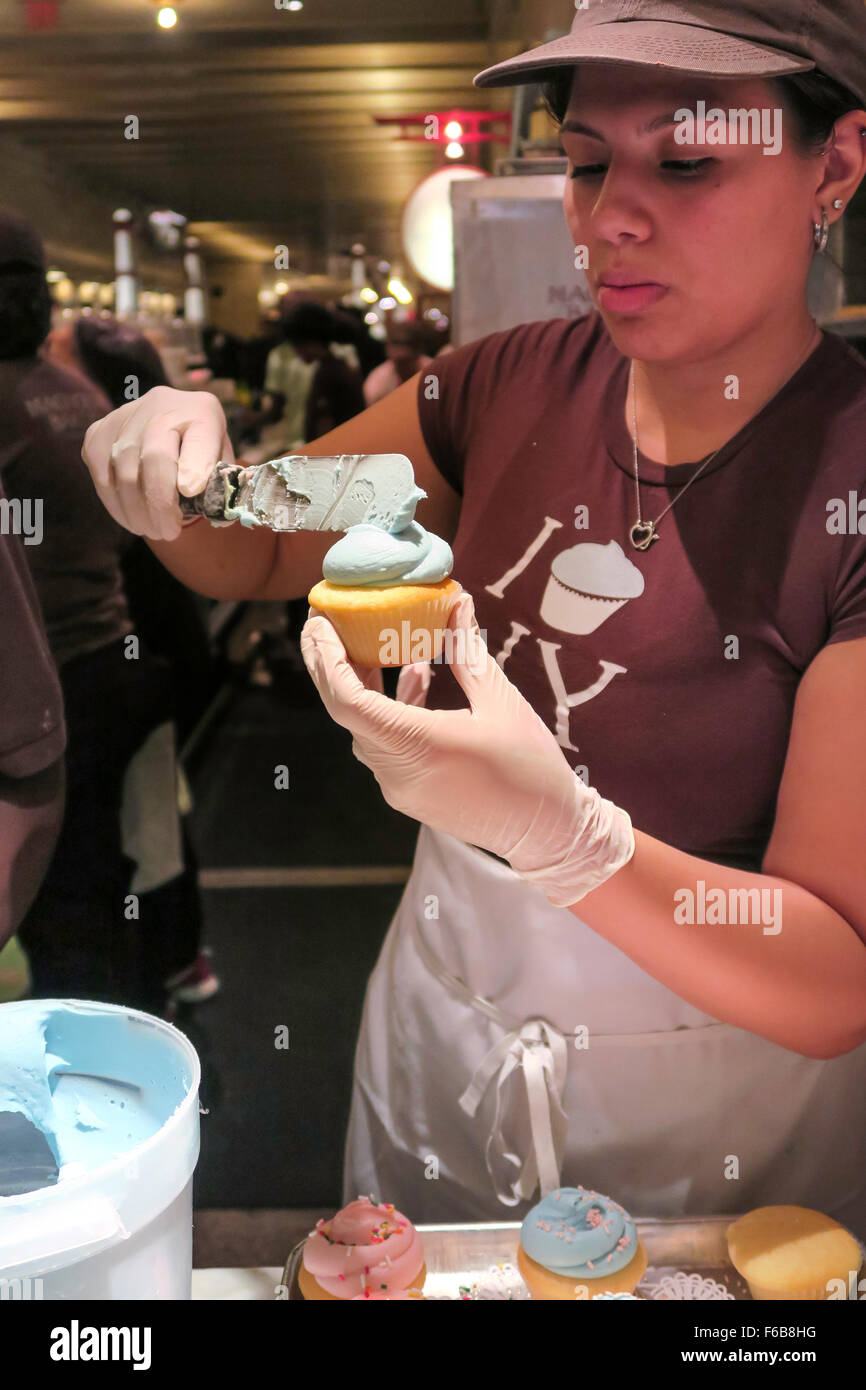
(845, 161)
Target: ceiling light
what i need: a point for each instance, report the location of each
(371, 317)
(399, 291)
(295, 5)
(281, 287)
(54, 276)
(369, 295)
(387, 304)
(454, 130)
(454, 150)
(166, 17)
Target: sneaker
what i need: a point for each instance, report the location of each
(196, 982)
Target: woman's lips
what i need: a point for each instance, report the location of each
(629, 299)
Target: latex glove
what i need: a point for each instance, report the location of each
(414, 682)
(146, 452)
(492, 775)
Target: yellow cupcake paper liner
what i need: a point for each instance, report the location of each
(399, 626)
(549, 1285)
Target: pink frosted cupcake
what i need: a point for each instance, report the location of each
(368, 1250)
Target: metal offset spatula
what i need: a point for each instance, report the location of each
(300, 493)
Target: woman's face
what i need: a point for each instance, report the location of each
(729, 239)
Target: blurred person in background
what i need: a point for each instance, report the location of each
(223, 353)
(32, 733)
(336, 391)
(32, 730)
(119, 359)
(279, 424)
(404, 357)
(370, 352)
(89, 932)
(255, 351)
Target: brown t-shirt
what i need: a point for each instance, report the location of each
(669, 675)
(44, 413)
(32, 732)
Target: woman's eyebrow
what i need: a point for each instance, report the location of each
(578, 128)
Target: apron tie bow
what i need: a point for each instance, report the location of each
(540, 1052)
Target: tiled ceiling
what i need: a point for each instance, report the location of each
(254, 120)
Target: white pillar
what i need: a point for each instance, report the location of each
(125, 281)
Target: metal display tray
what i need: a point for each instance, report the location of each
(478, 1261)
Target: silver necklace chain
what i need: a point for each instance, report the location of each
(643, 533)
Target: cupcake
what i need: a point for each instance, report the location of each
(576, 1243)
(387, 592)
(792, 1252)
(367, 1250)
(587, 584)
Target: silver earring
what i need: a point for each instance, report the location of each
(822, 232)
(837, 203)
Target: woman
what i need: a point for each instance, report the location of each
(585, 1012)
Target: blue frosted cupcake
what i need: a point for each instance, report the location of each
(576, 1243)
(389, 594)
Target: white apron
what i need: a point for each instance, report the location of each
(473, 1093)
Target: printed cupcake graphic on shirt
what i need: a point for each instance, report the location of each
(587, 584)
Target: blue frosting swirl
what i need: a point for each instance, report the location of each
(368, 555)
(579, 1233)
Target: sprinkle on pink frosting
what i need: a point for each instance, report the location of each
(352, 1241)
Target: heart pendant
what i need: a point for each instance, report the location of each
(642, 535)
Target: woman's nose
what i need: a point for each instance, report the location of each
(620, 207)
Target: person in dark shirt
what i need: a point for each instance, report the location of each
(90, 932)
(32, 737)
(336, 392)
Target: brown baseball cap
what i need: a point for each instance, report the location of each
(719, 38)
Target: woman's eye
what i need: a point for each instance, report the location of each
(686, 166)
(678, 166)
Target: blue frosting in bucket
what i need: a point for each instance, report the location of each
(96, 1082)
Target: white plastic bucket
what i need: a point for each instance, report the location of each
(122, 1229)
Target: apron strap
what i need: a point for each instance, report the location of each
(537, 1049)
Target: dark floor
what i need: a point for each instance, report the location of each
(289, 957)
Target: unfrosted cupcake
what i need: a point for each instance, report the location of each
(367, 1249)
(388, 593)
(790, 1252)
(576, 1243)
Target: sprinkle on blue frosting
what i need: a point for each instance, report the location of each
(579, 1233)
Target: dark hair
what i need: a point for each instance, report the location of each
(309, 323)
(112, 352)
(815, 101)
(25, 311)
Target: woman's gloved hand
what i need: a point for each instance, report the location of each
(493, 775)
(414, 682)
(144, 453)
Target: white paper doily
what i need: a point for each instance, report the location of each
(688, 1286)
